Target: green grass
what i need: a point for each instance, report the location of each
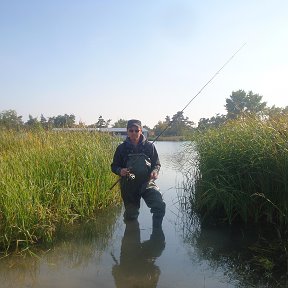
(243, 171)
(51, 178)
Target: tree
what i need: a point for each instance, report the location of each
(272, 111)
(213, 122)
(101, 123)
(159, 128)
(43, 122)
(50, 122)
(121, 123)
(32, 123)
(10, 120)
(180, 125)
(177, 126)
(240, 103)
(63, 121)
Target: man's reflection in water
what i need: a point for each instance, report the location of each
(137, 260)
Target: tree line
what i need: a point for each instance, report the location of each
(239, 104)
(242, 104)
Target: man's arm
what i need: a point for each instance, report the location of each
(155, 163)
(116, 165)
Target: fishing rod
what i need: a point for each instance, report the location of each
(197, 94)
(202, 88)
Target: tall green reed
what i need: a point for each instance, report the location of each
(49, 178)
(242, 170)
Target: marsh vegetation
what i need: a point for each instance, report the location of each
(240, 178)
(49, 179)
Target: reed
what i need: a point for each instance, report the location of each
(51, 178)
(242, 171)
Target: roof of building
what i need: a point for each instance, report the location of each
(115, 130)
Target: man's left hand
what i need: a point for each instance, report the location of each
(154, 175)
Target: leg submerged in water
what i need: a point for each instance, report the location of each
(154, 201)
(131, 200)
(157, 221)
(131, 212)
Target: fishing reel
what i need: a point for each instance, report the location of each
(130, 176)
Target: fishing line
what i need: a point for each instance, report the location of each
(202, 88)
(194, 97)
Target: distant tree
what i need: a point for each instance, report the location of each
(167, 119)
(177, 126)
(213, 122)
(32, 123)
(50, 122)
(63, 121)
(273, 113)
(276, 110)
(159, 128)
(203, 123)
(121, 123)
(180, 125)
(101, 123)
(10, 120)
(108, 123)
(44, 122)
(240, 103)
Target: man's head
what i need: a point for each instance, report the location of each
(134, 129)
(134, 122)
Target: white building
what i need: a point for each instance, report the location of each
(120, 132)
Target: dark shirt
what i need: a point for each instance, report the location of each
(124, 149)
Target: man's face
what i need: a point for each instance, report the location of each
(134, 133)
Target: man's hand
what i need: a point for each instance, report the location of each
(124, 172)
(154, 175)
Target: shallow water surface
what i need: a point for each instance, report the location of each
(110, 254)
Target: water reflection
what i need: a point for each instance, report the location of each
(72, 252)
(137, 267)
(227, 248)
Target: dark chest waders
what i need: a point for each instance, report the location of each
(140, 168)
(140, 165)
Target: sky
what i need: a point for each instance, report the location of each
(139, 59)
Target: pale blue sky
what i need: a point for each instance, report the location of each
(139, 59)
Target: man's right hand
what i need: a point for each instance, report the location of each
(124, 172)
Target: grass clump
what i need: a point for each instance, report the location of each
(242, 171)
(240, 176)
(51, 178)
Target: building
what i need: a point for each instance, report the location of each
(120, 132)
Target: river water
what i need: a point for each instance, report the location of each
(106, 253)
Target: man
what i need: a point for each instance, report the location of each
(136, 161)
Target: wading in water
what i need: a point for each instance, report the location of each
(136, 161)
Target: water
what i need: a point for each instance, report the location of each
(91, 256)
